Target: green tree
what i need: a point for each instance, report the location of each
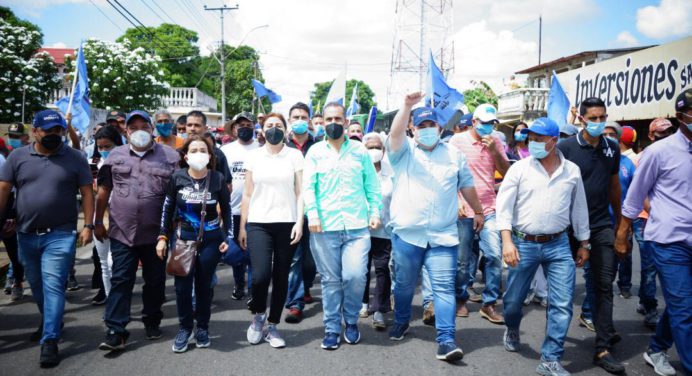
(241, 68)
(481, 93)
(27, 78)
(365, 94)
(175, 45)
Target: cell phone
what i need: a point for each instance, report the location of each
(94, 167)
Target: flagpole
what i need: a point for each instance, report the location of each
(74, 81)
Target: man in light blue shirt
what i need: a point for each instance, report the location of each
(428, 174)
(342, 198)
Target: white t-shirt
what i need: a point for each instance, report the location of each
(274, 195)
(237, 155)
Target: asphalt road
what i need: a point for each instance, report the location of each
(230, 354)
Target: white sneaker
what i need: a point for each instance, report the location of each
(256, 329)
(660, 363)
(273, 337)
(363, 311)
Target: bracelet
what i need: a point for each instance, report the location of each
(162, 237)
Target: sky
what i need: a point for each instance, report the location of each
(310, 41)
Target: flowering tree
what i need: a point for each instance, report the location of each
(121, 77)
(25, 77)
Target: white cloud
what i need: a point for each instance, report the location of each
(670, 18)
(58, 45)
(626, 39)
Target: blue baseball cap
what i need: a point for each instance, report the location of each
(47, 119)
(544, 127)
(422, 114)
(143, 114)
(466, 120)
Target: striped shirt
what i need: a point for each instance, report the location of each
(482, 165)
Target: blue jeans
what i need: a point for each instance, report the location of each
(491, 246)
(341, 258)
(245, 266)
(625, 272)
(588, 301)
(441, 264)
(302, 273)
(647, 284)
(200, 278)
(558, 265)
(47, 260)
(674, 265)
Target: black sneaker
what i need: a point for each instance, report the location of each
(625, 294)
(238, 293)
(114, 341)
(99, 299)
(609, 364)
(8, 286)
(152, 331)
(448, 351)
(72, 284)
(49, 354)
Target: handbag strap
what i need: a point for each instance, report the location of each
(203, 213)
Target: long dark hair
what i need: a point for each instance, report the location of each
(110, 133)
(513, 144)
(186, 146)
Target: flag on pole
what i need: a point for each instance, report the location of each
(440, 96)
(558, 103)
(263, 91)
(78, 102)
(337, 92)
(372, 116)
(353, 106)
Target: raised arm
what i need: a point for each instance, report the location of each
(397, 133)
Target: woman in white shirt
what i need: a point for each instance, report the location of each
(271, 225)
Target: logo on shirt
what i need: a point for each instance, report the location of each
(191, 196)
(238, 170)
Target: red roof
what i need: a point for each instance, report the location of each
(58, 54)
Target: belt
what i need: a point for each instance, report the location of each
(543, 238)
(41, 231)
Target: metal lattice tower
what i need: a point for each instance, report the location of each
(420, 26)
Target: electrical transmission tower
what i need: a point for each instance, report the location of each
(420, 26)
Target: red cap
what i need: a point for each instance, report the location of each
(629, 136)
(659, 125)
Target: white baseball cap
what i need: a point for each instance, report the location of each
(486, 113)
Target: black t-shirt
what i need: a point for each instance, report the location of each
(597, 166)
(222, 165)
(184, 203)
(47, 187)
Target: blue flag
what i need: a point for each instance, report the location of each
(81, 106)
(337, 92)
(440, 96)
(370, 127)
(558, 103)
(353, 106)
(262, 91)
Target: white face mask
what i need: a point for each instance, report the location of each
(198, 161)
(376, 155)
(140, 139)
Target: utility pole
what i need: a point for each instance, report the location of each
(221, 11)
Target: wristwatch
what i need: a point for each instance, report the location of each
(586, 247)
(89, 226)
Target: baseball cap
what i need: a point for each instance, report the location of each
(684, 101)
(16, 129)
(485, 113)
(244, 115)
(422, 114)
(47, 119)
(544, 127)
(659, 125)
(616, 126)
(143, 114)
(114, 115)
(629, 135)
(465, 120)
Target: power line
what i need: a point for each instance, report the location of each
(105, 15)
(143, 28)
(164, 12)
(153, 11)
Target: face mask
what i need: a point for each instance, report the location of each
(51, 141)
(198, 161)
(182, 135)
(104, 154)
(140, 139)
(484, 129)
(164, 129)
(245, 134)
(274, 135)
(537, 149)
(334, 130)
(376, 155)
(428, 137)
(595, 129)
(15, 143)
(520, 137)
(300, 127)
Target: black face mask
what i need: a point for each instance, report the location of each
(245, 133)
(274, 136)
(334, 130)
(51, 141)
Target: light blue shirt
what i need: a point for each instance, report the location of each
(424, 207)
